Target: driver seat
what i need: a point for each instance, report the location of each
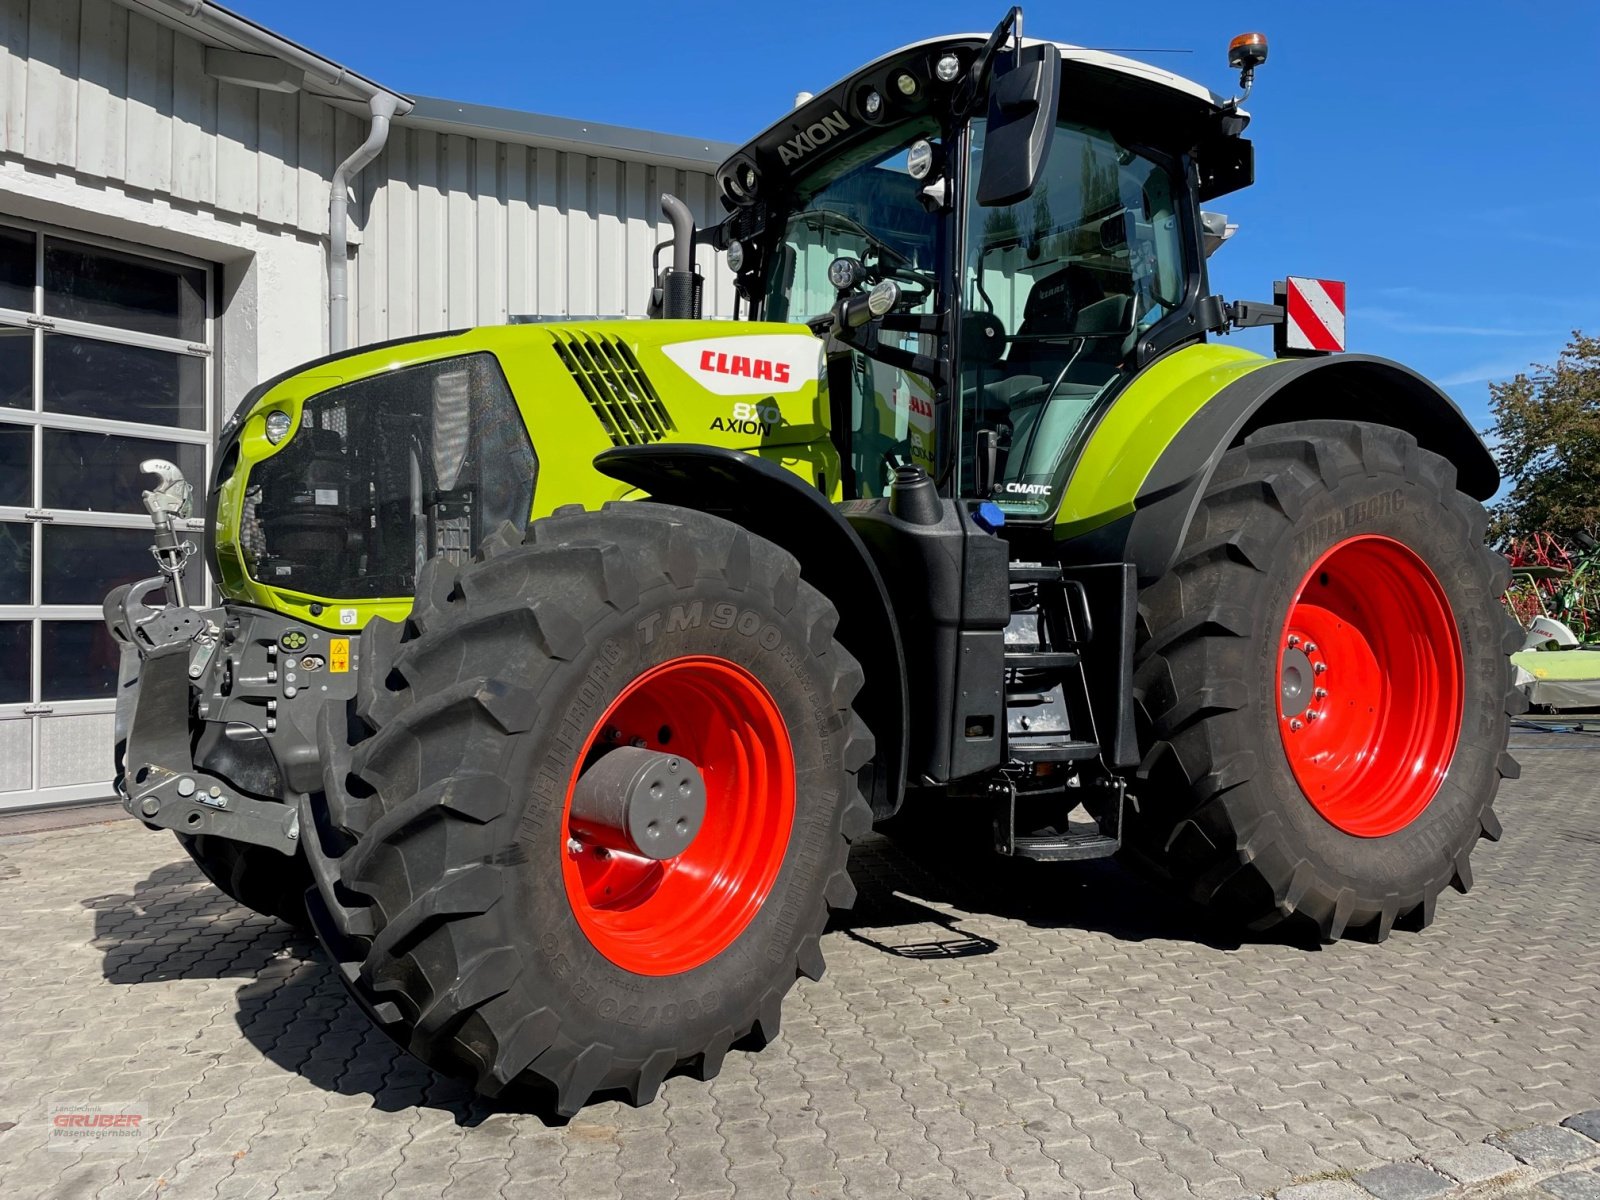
(1070, 308)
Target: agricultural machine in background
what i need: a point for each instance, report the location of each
(1555, 597)
(966, 513)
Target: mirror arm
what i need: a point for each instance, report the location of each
(934, 369)
(913, 322)
(979, 74)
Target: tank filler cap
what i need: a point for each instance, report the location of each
(989, 516)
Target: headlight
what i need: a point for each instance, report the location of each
(883, 297)
(919, 159)
(277, 426)
(947, 68)
(735, 255)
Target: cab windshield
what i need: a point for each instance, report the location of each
(1064, 283)
(865, 206)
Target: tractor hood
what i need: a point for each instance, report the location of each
(336, 480)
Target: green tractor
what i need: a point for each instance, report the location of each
(559, 664)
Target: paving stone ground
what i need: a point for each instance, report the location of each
(1060, 1032)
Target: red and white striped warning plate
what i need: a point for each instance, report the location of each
(1315, 309)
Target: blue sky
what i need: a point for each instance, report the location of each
(1442, 158)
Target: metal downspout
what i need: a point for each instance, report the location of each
(383, 107)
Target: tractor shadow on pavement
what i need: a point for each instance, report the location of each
(898, 880)
(290, 1004)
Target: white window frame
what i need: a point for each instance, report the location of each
(36, 516)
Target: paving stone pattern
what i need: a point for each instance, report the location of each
(1059, 1032)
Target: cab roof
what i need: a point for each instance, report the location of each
(1142, 95)
(1070, 53)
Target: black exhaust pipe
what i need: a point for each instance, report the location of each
(680, 284)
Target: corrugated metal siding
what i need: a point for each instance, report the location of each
(92, 88)
(469, 231)
(452, 230)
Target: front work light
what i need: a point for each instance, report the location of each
(919, 159)
(277, 426)
(735, 255)
(873, 104)
(907, 84)
(947, 68)
(844, 274)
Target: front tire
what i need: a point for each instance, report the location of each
(1323, 686)
(468, 914)
(258, 877)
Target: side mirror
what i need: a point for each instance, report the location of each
(1022, 122)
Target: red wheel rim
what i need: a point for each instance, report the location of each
(1370, 686)
(660, 918)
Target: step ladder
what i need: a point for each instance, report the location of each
(1047, 711)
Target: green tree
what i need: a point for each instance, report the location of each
(1547, 442)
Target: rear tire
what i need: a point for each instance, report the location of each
(258, 877)
(1223, 807)
(462, 909)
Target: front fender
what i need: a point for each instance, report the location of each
(783, 508)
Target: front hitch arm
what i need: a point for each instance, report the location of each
(163, 650)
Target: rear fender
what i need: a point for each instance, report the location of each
(783, 508)
(1346, 387)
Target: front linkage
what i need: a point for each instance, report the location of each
(251, 683)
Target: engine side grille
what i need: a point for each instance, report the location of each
(616, 387)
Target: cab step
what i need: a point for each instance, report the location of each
(1035, 573)
(1042, 660)
(1064, 839)
(1051, 751)
(1081, 841)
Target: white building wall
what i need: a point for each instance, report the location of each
(110, 124)
(466, 231)
(95, 89)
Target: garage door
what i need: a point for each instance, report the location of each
(105, 360)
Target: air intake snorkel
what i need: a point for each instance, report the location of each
(676, 295)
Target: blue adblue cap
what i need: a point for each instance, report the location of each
(989, 516)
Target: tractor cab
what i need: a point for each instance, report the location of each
(1026, 216)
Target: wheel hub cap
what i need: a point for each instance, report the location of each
(1370, 686)
(1295, 680)
(666, 903)
(639, 801)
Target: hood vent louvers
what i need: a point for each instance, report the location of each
(616, 387)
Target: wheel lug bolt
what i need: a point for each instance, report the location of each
(1320, 693)
(1311, 715)
(1311, 647)
(1295, 726)
(1319, 668)
(574, 846)
(1293, 642)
